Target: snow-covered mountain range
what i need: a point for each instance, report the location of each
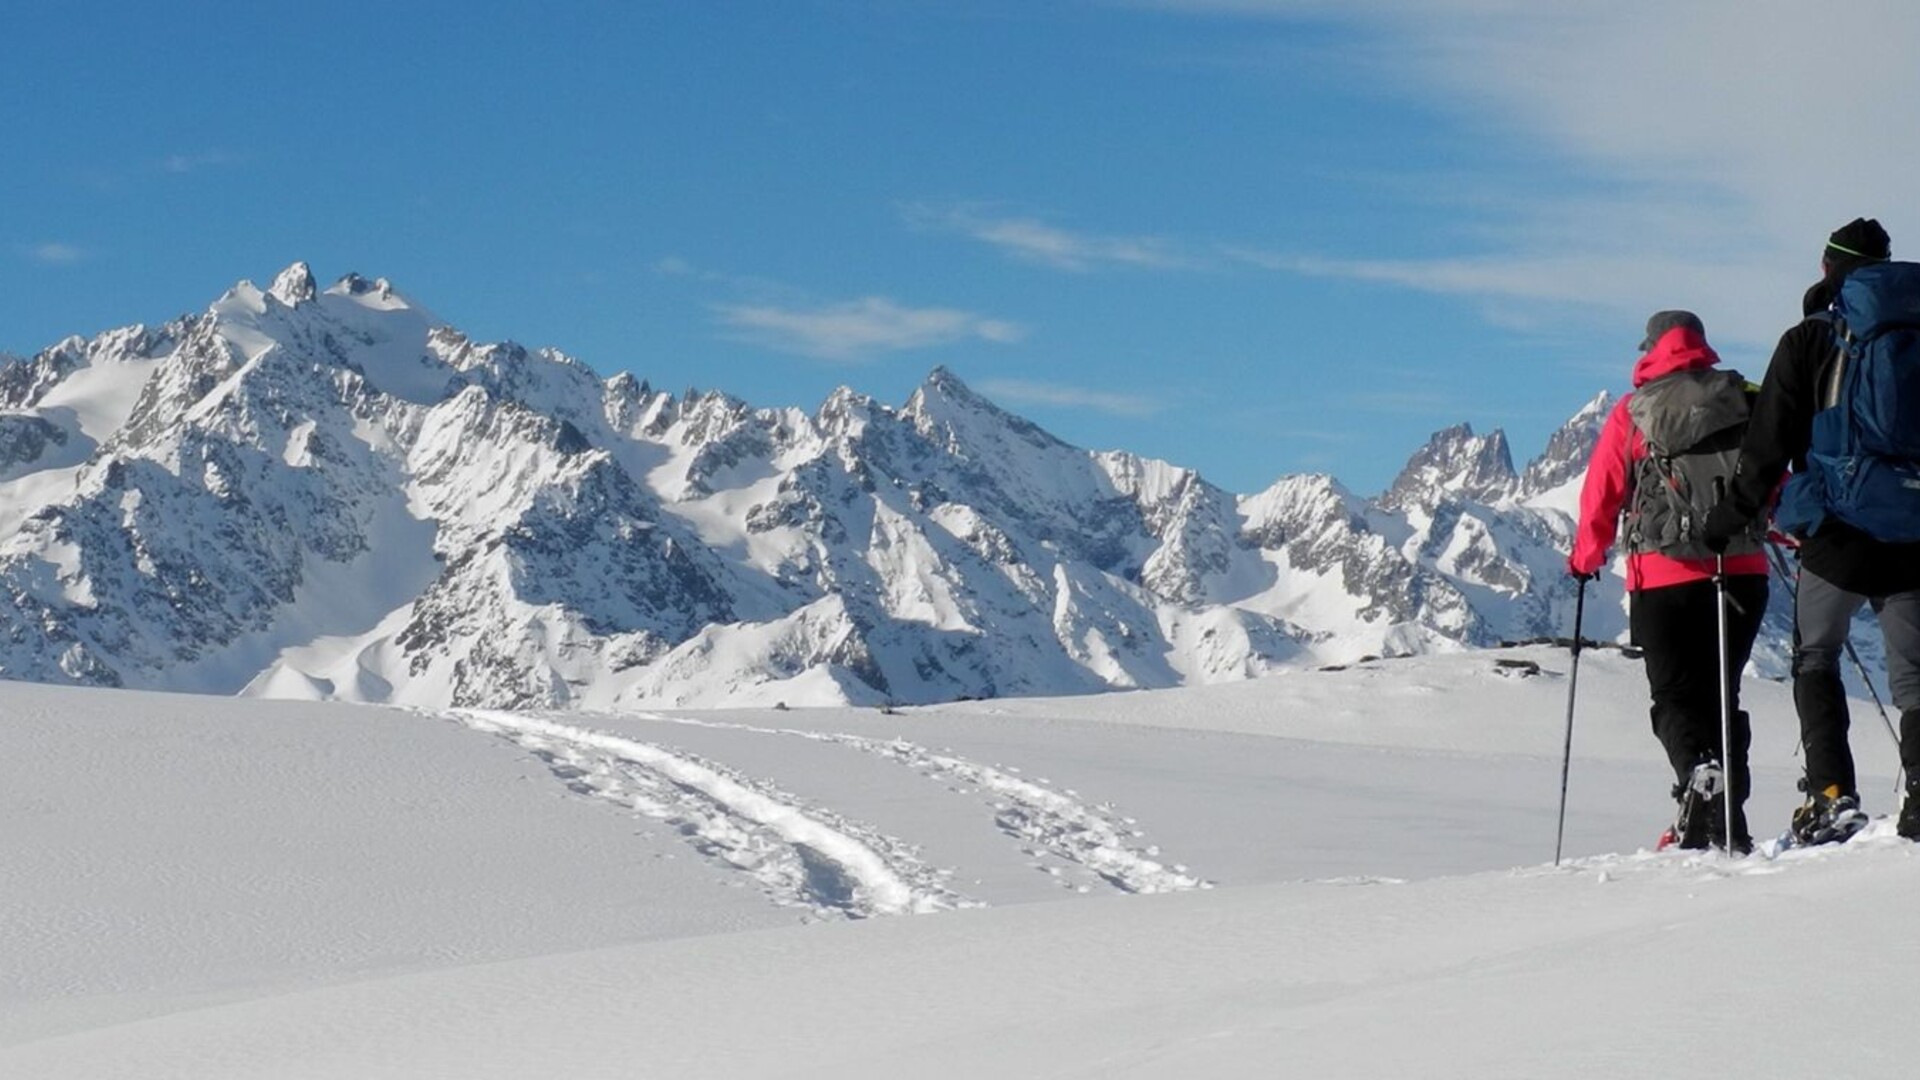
(308, 492)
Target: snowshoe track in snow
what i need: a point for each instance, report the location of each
(1707, 865)
(802, 856)
(1051, 821)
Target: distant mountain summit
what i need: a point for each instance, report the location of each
(1454, 464)
(333, 493)
(1565, 458)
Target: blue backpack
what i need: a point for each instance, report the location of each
(1863, 466)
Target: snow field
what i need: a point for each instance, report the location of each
(1334, 873)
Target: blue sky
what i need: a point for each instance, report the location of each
(1254, 237)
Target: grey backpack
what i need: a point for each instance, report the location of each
(1692, 422)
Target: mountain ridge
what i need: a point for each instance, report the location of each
(333, 493)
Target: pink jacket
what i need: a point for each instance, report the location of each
(1679, 349)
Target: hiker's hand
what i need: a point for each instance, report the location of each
(1722, 525)
(1574, 572)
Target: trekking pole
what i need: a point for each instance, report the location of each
(1779, 560)
(1726, 679)
(1566, 751)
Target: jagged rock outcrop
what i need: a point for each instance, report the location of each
(1455, 464)
(1568, 449)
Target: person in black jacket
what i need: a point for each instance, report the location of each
(1841, 568)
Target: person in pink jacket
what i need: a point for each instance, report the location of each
(1673, 604)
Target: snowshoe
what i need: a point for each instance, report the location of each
(1827, 817)
(1699, 800)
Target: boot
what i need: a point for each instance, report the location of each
(1704, 788)
(1829, 816)
(1717, 828)
(1909, 823)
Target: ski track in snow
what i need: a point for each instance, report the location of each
(805, 857)
(1050, 821)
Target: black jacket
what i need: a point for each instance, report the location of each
(1779, 435)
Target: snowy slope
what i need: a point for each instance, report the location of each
(332, 493)
(1330, 873)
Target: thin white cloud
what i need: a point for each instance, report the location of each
(1025, 392)
(1597, 277)
(1693, 154)
(1407, 402)
(1255, 9)
(1309, 435)
(181, 164)
(1290, 9)
(764, 290)
(860, 329)
(1742, 298)
(54, 253)
(124, 175)
(1033, 240)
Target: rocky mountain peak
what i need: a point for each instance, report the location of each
(377, 294)
(948, 412)
(352, 284)
(940, 397)
(1568, 448)
(941, 384)
(294, 285)
(846, 412)
(1455, 463)
(627, 384)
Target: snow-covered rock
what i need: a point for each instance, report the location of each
(1455, 463)
(1567, 451)
(334, 493)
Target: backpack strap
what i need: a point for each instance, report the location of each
(1836, 376)
(1627, 527)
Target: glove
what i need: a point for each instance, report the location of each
(1722, 525)
(1578, 574)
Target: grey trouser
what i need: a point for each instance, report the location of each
(1823, 616)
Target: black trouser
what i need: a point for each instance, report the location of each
(1678, 626)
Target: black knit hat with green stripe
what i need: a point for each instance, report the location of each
(1857, 243)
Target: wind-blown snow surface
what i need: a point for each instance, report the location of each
(1320, 873)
